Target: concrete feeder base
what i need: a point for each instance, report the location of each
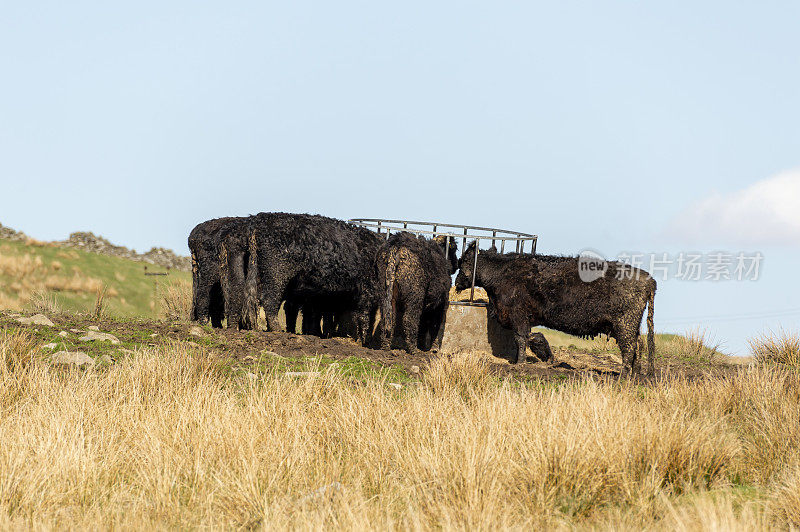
(470, 329)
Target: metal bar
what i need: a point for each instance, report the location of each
(494, 234)
(533, 246)
(405, 225)
(474, 271)
(446, 247)
(468, 235)
(502, 245)
(464, 241)
(379, 227)
(478, 228)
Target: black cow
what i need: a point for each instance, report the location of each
(302, 257)
(529, 290)
(208, 301)
(414, 276)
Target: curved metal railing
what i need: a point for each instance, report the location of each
(457, 231)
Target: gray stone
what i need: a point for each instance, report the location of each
(197, 331)
(74, 359)
(92, 336)
(49, 346)
(37, 319)
(94, 328)
(63, 334)
(414, 369)
(395, 385)
(302, 373)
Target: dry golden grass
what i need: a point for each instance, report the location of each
(176, 300)
(171, 438)
(44, 301)
(782, 347)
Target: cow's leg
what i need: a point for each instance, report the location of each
(388, 316)
(436, 325)
(272, 305)
(205, 282)
(637, 359)
(521, 326)
(290, 311)
(311, 320)
(627, 347)
(327, 324)
(216, 305)
(411, 320)
(195, 287)
(232, 280)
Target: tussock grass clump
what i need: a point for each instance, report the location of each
(176, 300)
(17, 348)
(44, 301)
(787, 496)
(781, 348)
(464, 374)
(173, 437)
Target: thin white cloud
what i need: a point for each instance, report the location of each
(765, 213)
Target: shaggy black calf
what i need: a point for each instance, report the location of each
(528, 290)
(204, 244)
(302, 257)
(414, 277)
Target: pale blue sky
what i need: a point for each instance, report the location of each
(592, 124)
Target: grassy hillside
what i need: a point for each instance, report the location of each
(36, 273)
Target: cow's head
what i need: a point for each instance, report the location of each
(451, 249)
(465, 264)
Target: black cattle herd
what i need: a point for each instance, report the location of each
(339, 275)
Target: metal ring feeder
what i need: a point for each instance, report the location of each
(464, 232)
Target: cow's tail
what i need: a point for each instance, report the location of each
(387, 302)
(250, 304)
(651, 339)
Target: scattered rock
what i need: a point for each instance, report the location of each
(37, 319)
(414, 369)
(92, 336)
(49, 346)
(395, 385)
(75, 331)
(63, 334)
(197, 331)
(302, 373)
(97, 244)
(75, 359)
(325, 491)
(94, 328)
